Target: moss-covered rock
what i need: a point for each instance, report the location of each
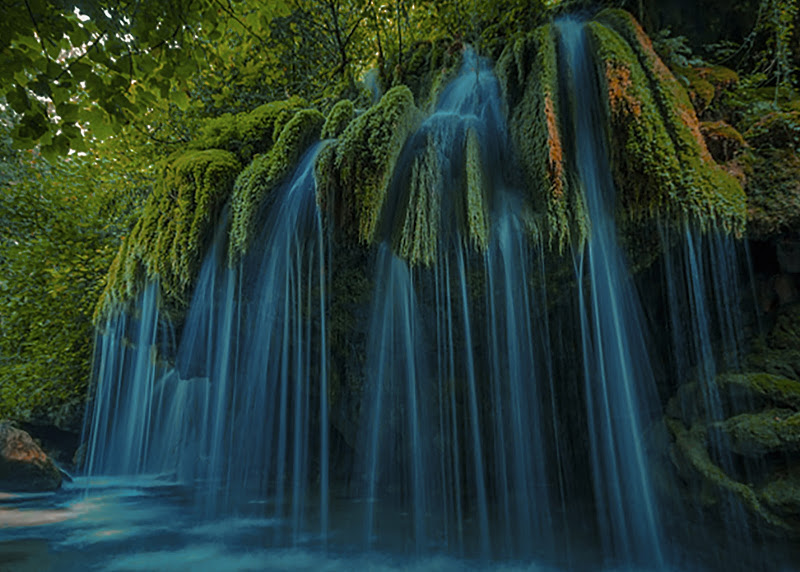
(762, 433)
(690, 455)
(706, 84)
(476, 193)
(661, 164)
(416, 238)
(354, 173)
(265, 173)
(739, 434)
(777, 129)
(250, 133)
(782, 496)
(168, 241)
(528, 74)
(724, 142)
(427, 68)
(338, 119)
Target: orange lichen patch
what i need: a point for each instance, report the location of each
(20, 447)
(555, 162)
(620, 98)
(670, 94)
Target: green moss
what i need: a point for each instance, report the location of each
(427, 68)
(354, 173)
(265, 173)
(691, 456)
(775, 389)
(338, 119)
(167, 242)
(660, 160)
(476, 194)
(705, 84)
(417, 237)
(723, 140)
(248, 134)
(758, 434)
(528, 74)
(785, 334)
(777, 129)
(782, 495)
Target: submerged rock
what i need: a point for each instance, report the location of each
(24, 467)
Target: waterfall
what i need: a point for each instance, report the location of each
(617, 372)
(487, 399)
(235, 413)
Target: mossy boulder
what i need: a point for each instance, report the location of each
(738, 435)
(777, 129)
(354, 172)
(661, 164)
(773, 193)
(167, 243)
(762, 433)
(24, 467)
(724, 142)
(528, 75)
(339, 117)
(426, 69)
(706, 84)
(265, 174)
(250, 133)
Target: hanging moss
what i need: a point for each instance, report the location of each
(528, 74)
(248, 134)
(416, 238)
(338, 119)
(265, 173)
(660, 160)
(477, 201)
(168, 240)
(354, 173)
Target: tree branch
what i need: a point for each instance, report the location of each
(36, 29)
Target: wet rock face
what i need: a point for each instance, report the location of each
(24, 467)
(738, 436)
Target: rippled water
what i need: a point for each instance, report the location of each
(148, 523)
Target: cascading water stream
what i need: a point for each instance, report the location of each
(475, 407)
(617, 372)
(234, 412)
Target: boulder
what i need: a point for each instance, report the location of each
(24, 467)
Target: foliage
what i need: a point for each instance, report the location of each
(60, 224)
